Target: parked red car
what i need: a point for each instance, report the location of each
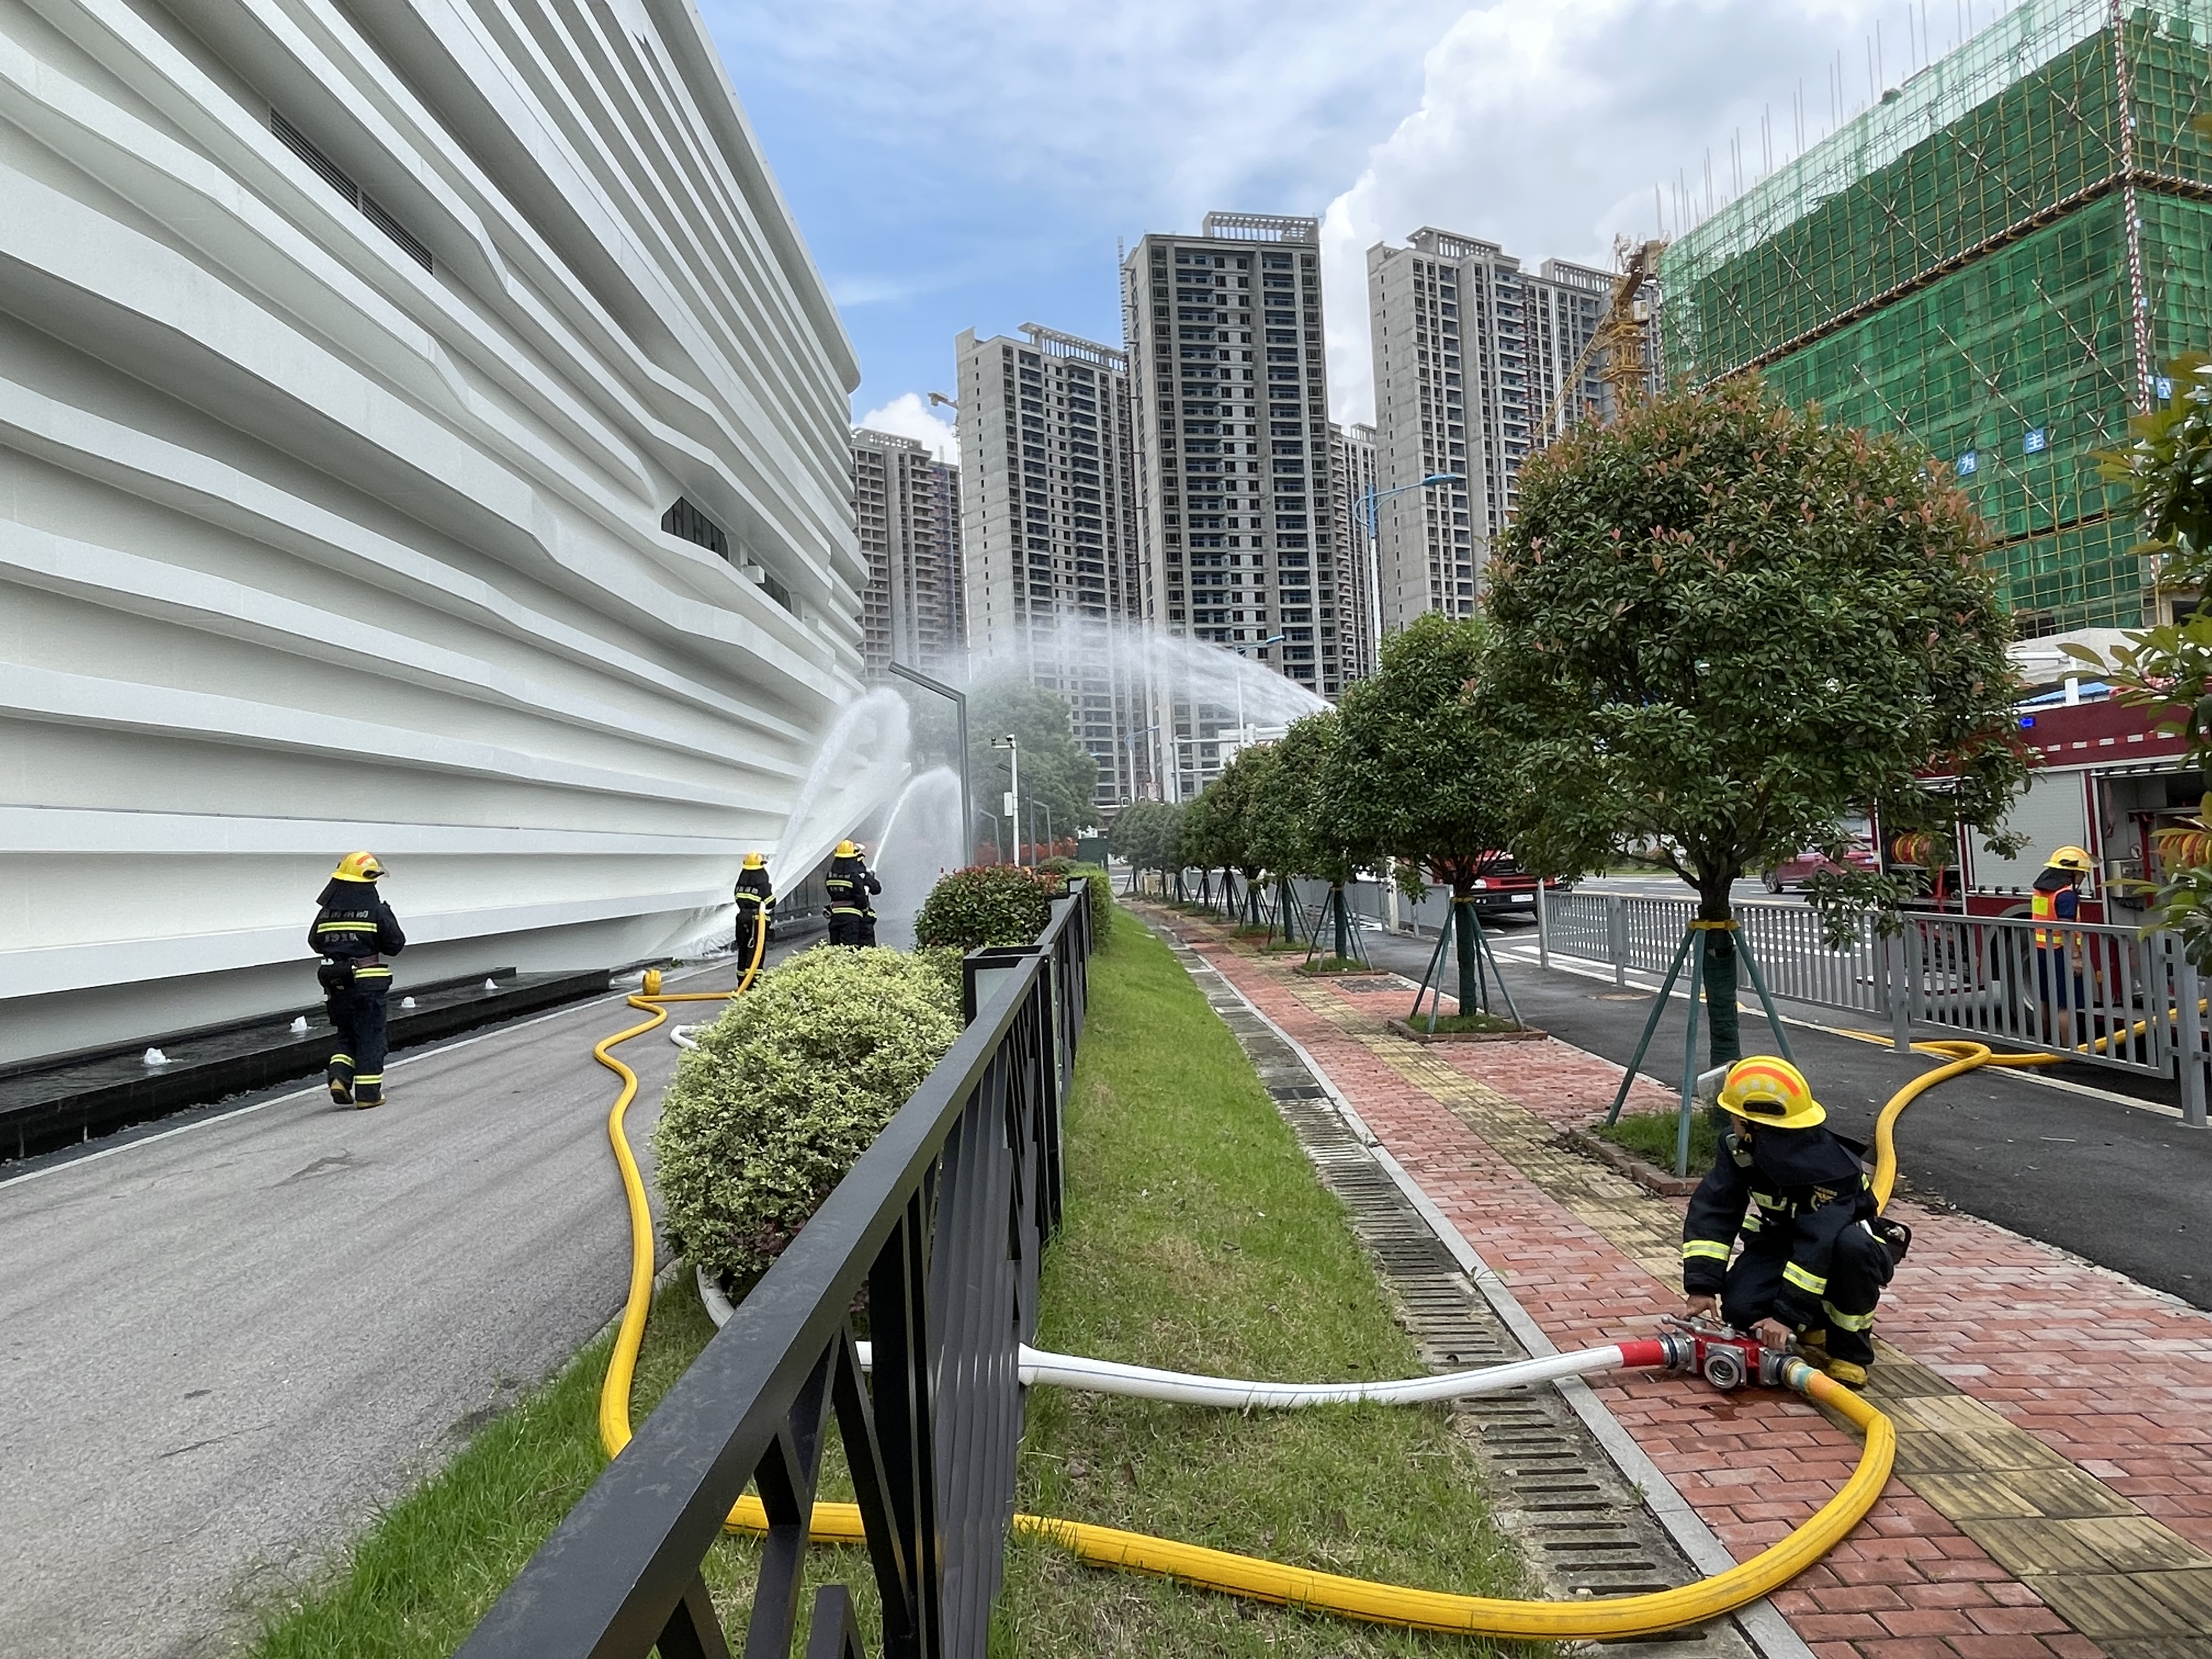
(1799, 872)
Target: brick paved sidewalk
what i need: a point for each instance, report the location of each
(2053, 1495)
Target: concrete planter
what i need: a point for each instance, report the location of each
(1650, 1177)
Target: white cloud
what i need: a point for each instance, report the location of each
(1155, 107)
(1543, 125)
(910, 416)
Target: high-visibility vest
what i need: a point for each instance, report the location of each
(2044, 906)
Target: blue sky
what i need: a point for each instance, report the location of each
(972, 164)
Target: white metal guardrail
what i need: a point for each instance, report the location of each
(1641, 934)
(2102, 994)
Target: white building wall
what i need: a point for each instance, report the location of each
(305, 546)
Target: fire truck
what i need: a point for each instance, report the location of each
(2106, 782)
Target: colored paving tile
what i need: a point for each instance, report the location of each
(2031, 1514)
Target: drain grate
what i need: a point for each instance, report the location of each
(1584, 1530)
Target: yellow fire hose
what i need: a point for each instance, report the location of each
(1615, 1617)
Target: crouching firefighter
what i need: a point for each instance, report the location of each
(754, 899)
(353, 931)
(1816, 1252)
(851, 883)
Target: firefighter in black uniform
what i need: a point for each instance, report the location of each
(353, 931)
(851, 885)
(755, 898)
(1816, 1251)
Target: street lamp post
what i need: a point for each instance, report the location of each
(1241, 738)
(1129, 739)
(1013, 745)
(1371, 503)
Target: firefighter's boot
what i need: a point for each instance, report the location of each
(367, 1091)
(1849, 1373)
(339, 1076)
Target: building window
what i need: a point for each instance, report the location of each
(336, 178)
(687, 523)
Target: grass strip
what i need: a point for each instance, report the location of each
(1198, 1238)
(1651, 1137)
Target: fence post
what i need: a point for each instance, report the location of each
(1616, 936)
(1543, 927)
(2189, 1041)
(1897, 962)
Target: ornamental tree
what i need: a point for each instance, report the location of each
(1296, 817)
(1431, 776)
(1146, 833)
(1227, 808)
(2167, 667)
(1198, 837)
(1722, 625)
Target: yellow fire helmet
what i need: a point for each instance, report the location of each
(755, 861)
(358, 867)
(2075, 859)
(1763, 1088)
(847, 849)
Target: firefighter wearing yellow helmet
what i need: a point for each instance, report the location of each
(354, 932)
(1816, 1250)
(852, 886)
(755, 898)
(2058, 953)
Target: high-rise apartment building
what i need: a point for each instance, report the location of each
(1352, 482)
(905, 508)
(1050, 532)
(1470, 355)
(1231, 396)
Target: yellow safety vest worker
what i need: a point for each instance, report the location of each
(2044, 906)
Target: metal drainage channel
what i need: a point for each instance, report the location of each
(1586, 1530)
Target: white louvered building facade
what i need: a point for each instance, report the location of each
(421, 428)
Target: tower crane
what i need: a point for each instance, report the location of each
(1622, 333)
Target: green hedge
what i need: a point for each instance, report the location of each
(1099, 887)
(787, 1090)
(989, 904)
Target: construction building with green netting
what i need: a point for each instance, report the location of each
(1998, 257)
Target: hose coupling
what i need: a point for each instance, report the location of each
(1723, 1356)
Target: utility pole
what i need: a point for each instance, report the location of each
(1013, 745)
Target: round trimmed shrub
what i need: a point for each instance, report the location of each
(989, 904)
(785, 1093)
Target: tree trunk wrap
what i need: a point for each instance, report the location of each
(1471, 999)
(1725, 1043)
(1343, 933)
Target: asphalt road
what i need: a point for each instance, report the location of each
(2122, 1186)
(226, 1340)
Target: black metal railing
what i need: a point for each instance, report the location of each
(942, 1221)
